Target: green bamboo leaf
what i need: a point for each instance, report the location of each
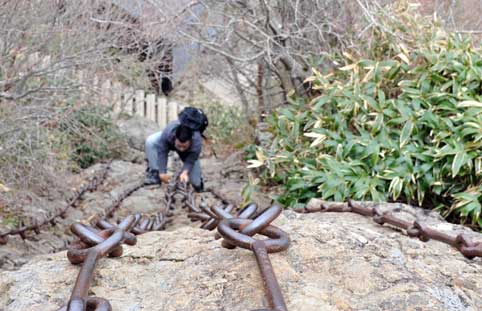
(395, 187)
(255, 164)
(406, 132)
(472, 207)
(478, 166)
(460, 160)
(469, 104)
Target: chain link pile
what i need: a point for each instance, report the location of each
(414, 229)
(236, 229)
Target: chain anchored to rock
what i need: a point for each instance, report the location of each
(236, 229)
(248, 224)
(94, 244)
(36, 224)
(106, 239)
(239, 229)
(414, 229)
(240, 232)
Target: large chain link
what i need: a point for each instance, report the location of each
(240, 232)
(237, 229)
(94, 244)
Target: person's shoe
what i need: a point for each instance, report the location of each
(200, 188)
(152, 177)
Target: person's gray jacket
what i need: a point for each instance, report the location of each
(167, 144)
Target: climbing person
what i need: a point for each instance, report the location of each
(184, 136)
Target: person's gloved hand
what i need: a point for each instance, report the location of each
(184, 177)
(164, 178)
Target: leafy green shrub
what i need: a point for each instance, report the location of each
(407, 127)
(227, 124)
(92, 135)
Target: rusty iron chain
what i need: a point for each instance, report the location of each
(36, 225)
(248, 224)
(240, 232)
(143, 223)
(236, 229)
(94, 244)
(413, 229)
(109, 211)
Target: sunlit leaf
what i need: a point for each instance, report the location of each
(406, 132)
(255, 163)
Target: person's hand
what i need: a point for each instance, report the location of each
(184, 177)
(164, 178)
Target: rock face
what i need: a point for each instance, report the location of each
(122, 176)
(136, 129)
(335, 262)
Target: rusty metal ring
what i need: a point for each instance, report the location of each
(422, 231)
(472, 251)
(466, 246)
(462, 240)
(277, 242)
(88, 236)
(247, 211)
(128, 222)
(223, 212)
(129, 238)
(195, 216)
(77, 256)
(378, 216)
(262, 220)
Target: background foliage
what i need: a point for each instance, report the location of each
(403, 122)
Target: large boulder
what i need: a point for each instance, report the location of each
(137, 129)
(335, 262)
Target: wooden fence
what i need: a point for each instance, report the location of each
(126, 100)
(120, 98)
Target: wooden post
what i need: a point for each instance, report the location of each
(171, 111)
(116, 103)
(162, 112)
(151, 107)
(140, 104)
(128, 102)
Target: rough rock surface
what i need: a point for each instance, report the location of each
(121, 177)
(136, 129)
(335, 262)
